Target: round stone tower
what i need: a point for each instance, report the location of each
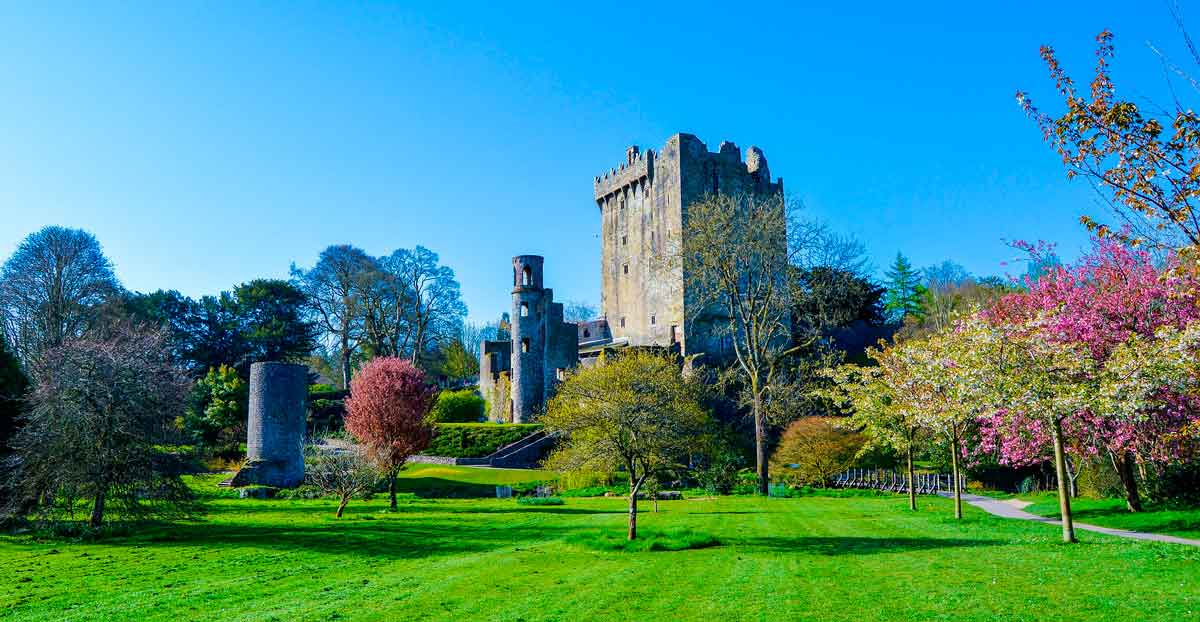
(275, 426)
(528, 337)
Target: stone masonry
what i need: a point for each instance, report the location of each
(643, 206)
(275, 426)
(542, 349)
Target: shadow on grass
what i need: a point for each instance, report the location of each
(852, 545)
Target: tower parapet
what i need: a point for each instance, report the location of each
(638, 167)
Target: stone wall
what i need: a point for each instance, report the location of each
(643, 207)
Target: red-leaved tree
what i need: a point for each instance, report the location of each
(388, 412)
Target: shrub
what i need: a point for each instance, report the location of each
(818, 448)
(462, 406)
(476, 440)
(540, 501)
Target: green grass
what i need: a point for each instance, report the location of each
(436, 480)
(1184, 523)
(810, 558)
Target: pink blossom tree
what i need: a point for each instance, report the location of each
(1111, 295)
(388, 413)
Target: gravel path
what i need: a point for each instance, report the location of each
(1014, 508)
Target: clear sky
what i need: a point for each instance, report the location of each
(206, 144)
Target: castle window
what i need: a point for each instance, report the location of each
(622, 322)
(586, 333)
(526, 276)
(525, 344)
(524, 309)
(560, 373)
(624, 240)
(625, 268)
(652, 320)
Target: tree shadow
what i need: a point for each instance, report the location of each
(853, 545)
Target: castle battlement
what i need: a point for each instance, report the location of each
(638, 166)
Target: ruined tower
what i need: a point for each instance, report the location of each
(275, 426)
(643, 208)
(542, 349)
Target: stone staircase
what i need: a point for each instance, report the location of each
(524, 453)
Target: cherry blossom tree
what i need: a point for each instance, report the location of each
(388, 412)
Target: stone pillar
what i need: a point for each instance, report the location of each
(275, 426)
(528, 338)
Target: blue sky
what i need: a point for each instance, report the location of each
(207, 144)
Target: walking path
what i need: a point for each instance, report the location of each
(1013, 508)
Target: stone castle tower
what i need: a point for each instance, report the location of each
(519, 375)
(643, 206)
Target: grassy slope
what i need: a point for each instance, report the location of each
(458, 481)
(1112, 513)
(812, 558)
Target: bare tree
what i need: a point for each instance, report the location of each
(96, 418)
(430, 310)
(343, 473)
(52, 289)
(735, 256)
(579, 311)
(336, 290)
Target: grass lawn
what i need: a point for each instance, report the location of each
(1112, 513)
(813, 558)
(436, 480)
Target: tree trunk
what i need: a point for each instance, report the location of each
(912, 483)
(633, 492)
(342, 506)
(1064, 495)
(760, 443)
(98, 510)
(392, 487)
(345, 362)
(954, 471)
(1124, 465)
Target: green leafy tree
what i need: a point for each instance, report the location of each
(458, 363)
(220, 411)
(904, 291)
(637, 413)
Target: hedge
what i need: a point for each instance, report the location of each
(476, 440)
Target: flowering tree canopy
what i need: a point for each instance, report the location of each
(388, 412)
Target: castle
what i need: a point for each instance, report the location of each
(643, 209)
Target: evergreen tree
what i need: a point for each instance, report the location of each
(904, 291)
(13, 385)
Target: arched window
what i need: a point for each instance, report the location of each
(524, 309)
(526, 276)
(586, 333)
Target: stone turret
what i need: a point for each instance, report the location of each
(528, 337)
(275, 426)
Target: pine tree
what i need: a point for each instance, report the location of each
(904, 290)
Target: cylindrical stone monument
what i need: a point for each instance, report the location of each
(275, 426)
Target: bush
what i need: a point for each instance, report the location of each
(817, 448)
(476, 440)
(462, 406)
(1176, 485)
(540, 501)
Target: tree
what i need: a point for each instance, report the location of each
(432, 308)
(388, 412)
(13, 385)
(816, 449)
(52, 288)
(904, 291)
(95, 423)
(636, 413)
(579, 311)
(877, 399)
(458, 363)
(1149, 175)
(221, 411)
(270, 317)
(1111, 295)
(735, 255)
(344, 473)
(825, 299)
(335, 289)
